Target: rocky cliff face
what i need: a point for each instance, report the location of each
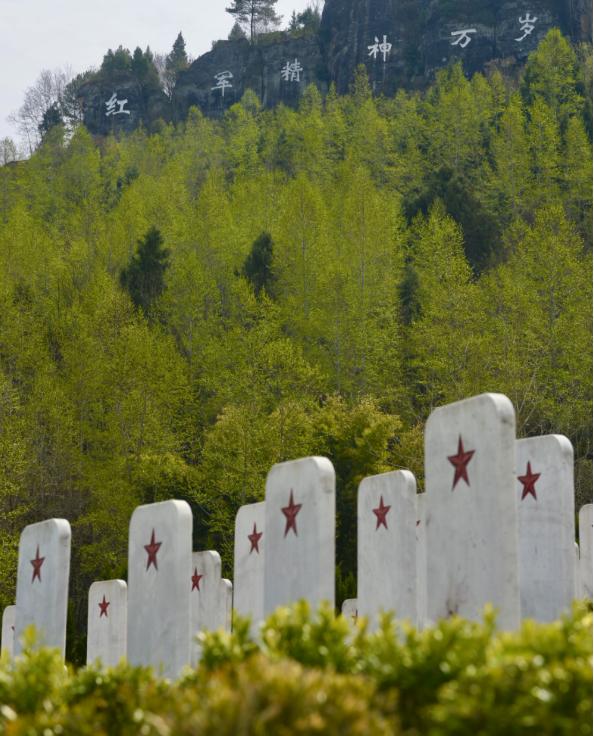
(401, 42)
(121, 104)
(277, 69)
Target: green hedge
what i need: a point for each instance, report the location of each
(316, 674)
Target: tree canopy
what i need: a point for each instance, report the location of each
(180, 310)
(254, 15)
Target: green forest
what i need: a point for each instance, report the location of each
(182, 308)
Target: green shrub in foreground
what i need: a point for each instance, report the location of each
(316, 674)
(458, 677)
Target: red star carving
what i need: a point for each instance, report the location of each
(529, 482)
(103, 606)
(460, 461)
(290, 513)
(381, 512)
(254, 538)
(196, 578)
(152, 550)
(37, 563)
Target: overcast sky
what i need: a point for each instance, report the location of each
(47, 34)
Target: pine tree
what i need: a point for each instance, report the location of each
(116, 61)
(236, 33)
(309, 19)
(293, 23)
(144, 69)
(577, 176)
(143, 278)
(254, 14)
(51, 118)
(257, 267)
(407, 291)
(551, 73)
(176, 61)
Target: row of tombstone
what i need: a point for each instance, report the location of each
(496, 524)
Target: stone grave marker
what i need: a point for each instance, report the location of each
(300, 532)
(585, 524)
(107, 622)
(546, 526)
(248, 571)
(42, 583)
(226, 603)
(8, 621)
(159, 570)
(350, 610)
(578, 580)
(421, 560)
(386, 546)
(471, 515)
(211, 597)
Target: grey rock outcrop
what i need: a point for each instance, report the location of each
(121, 104)
(425, 35)
(402, 43)
(218, 79)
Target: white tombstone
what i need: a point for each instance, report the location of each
(578, 579)
(421, 560)
(211, 597)
(300, 531)
(471, 515)
(8, 621)
(107, 622)
(42, 583)
(248, 570)
(226, 603)
(386, 546)
(546, 526)
(585, 524)
(159, 568)
(350, 610)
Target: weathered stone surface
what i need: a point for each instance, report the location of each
(579, 15)
(107, 622)
(300, 531)
(386, 546)
(421, 559)
(103, 119)
(8, 626)
(253, 66)
(471, 515)
(577, 575)
(42, 583)
(419, 31)
(421, 36)
(159, 571)
(585, 526)
(546, 525)
(210, 595)
(249, 556)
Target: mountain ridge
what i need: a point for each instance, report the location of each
(402, 44)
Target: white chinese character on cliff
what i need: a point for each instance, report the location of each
(382, 48)
(111, 106)
(526, 25)
(463, 38)
(223, 82)
(291, 71)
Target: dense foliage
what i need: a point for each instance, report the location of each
(319, 279)
(320, 674)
